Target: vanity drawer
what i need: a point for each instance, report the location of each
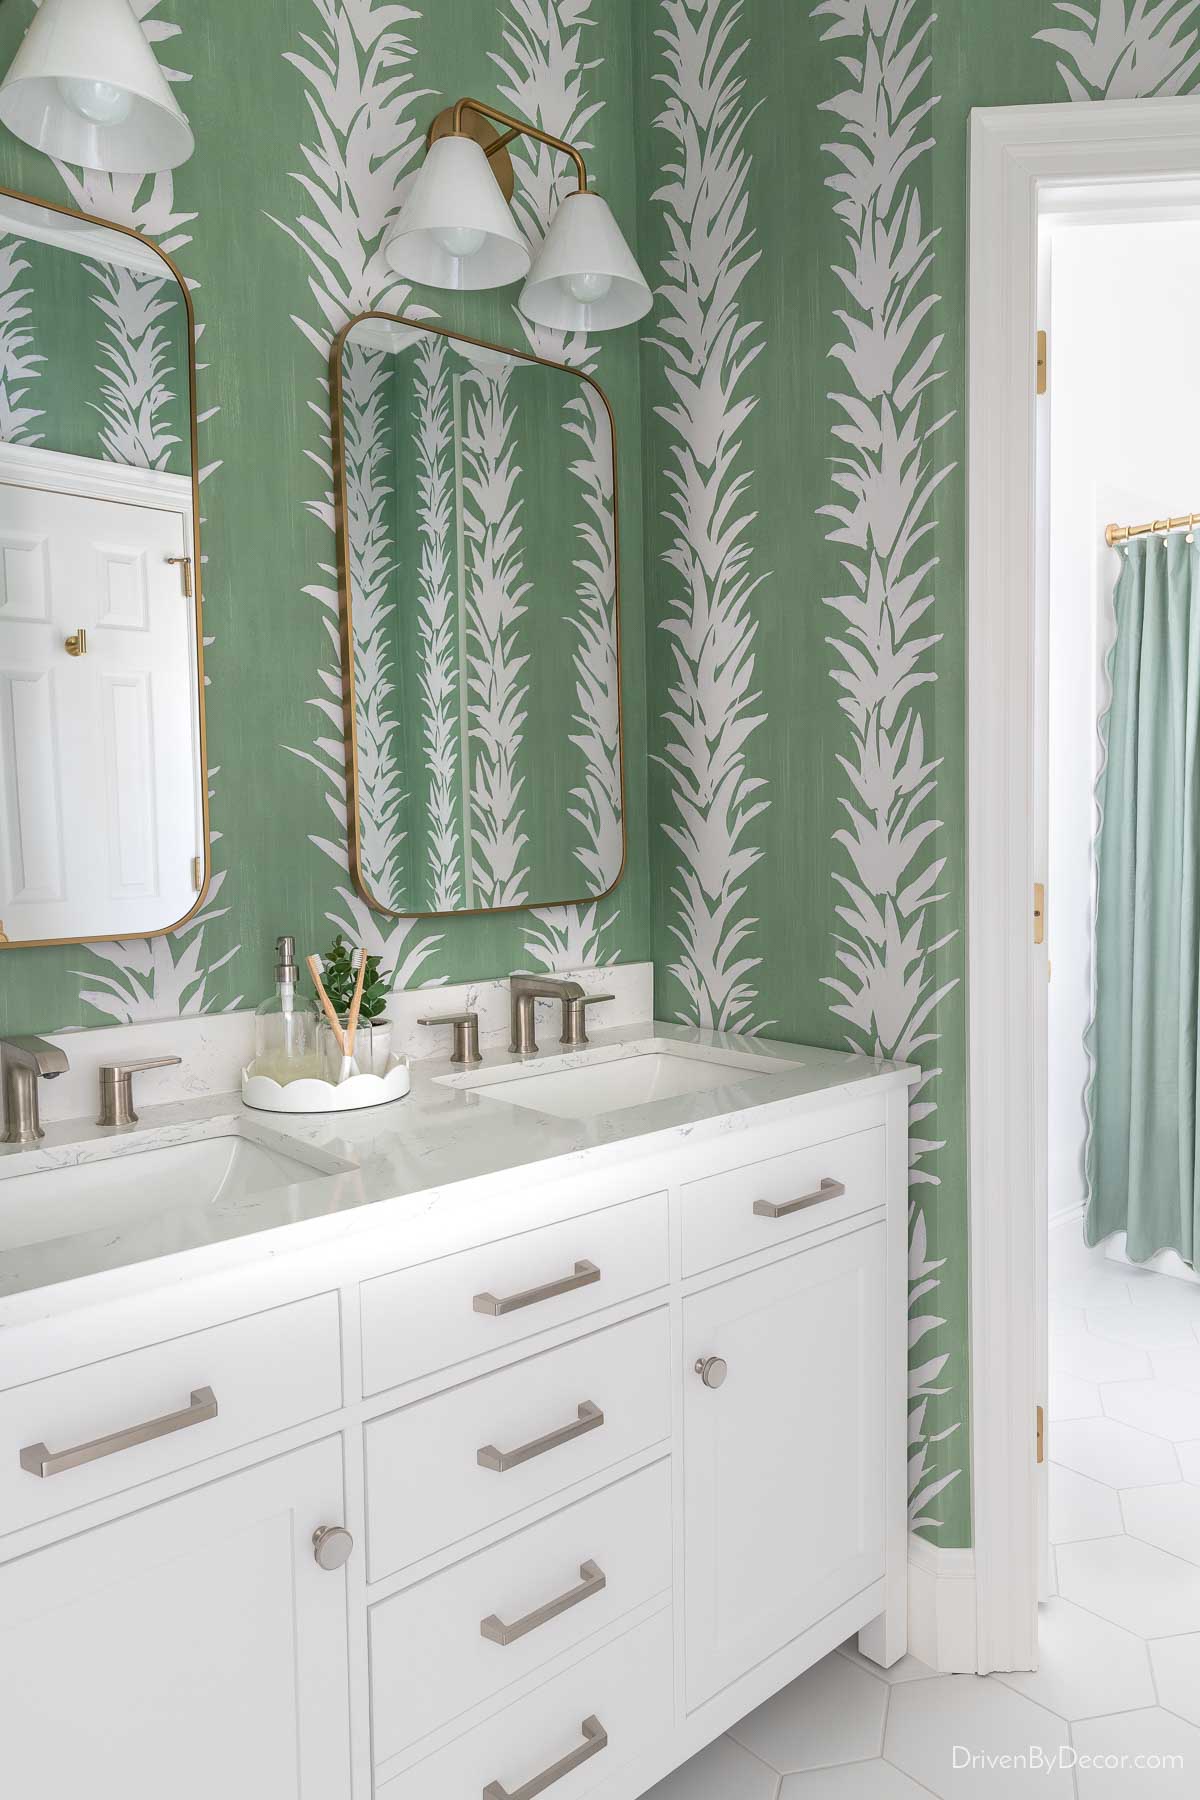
(444, 1468)
(578, 1730)
(830, 1181)
(426, 1318)
(430, 1658)
(165, 1407)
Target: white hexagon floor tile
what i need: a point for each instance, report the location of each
(1166, 1516)
(1176, 1663)
(1189, 1461)
(1164, 1411)
(1139, 1328)
(1097, 1285)
(874, 1780)
(907, 1669)
(1108, 1450)
(724, 1771)
(1071, 1398)
(1080, 1507)
(1132, 1584)
(1120, 1741)
(1086, 1666)
(1167, 1293)
(959, 1718)
(1179, 1367)
(1075, 1352)
(832, 1714)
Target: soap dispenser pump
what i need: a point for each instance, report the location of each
(286, 1025)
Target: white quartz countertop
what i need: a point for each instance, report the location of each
(386, 1165)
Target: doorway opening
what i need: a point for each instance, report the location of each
(1087, 230)
(1119, 1519)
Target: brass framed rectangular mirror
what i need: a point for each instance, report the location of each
(103, 793)
(476, 501)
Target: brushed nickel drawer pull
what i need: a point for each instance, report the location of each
(828, 1190)
(40, 1461)
(585, 1274)
(593, 1580)
(595, 1740)
(590, 1419)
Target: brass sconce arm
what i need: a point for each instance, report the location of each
(516, 128)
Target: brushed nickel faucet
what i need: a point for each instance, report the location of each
(525, 989)
(116, 1088)
(23, 1062)
(466, 1034)
(574, 1026)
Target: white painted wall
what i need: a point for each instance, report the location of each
(1124, 444)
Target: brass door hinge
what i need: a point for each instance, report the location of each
(1039, 912)
(1041, 1435)
(197, 872)
(185, 571)
(1043, 362)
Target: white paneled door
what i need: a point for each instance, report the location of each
(192, 1649)
(783, 1455)
(100, 783)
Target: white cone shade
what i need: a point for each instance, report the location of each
(584, 240)
(97, 51)
(456, 191)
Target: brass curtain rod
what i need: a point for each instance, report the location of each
(1120, 534)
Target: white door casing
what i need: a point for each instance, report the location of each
(101, 788)
(1016, 154)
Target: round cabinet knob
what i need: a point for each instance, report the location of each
(712, 1370)
(332, 1545)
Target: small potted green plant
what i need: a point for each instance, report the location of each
(339, 972)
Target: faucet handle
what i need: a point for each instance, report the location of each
(574, 1026)
(466, 1034)
(116, 1088)
(135, 1068)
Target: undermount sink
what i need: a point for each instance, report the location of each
(114, 1192)
(588, 1085)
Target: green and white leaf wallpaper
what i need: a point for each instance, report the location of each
(791, 452)
(803, 210)
(485, 642)
(94, 357)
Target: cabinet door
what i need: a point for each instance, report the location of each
(784, 1462)
(193, 1649)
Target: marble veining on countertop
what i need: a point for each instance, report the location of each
(400, 1159)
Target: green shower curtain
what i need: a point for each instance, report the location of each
(1142, 1099)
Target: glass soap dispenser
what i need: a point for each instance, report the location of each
(285, 1025)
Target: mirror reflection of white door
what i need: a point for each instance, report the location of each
(100, 797)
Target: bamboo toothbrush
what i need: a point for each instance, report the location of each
(314, 969)
(349, 1066)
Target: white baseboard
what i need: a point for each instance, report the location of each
(941, 1608)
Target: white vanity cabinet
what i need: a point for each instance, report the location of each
(192, 1648)
(619, 1440)
(783, 1473)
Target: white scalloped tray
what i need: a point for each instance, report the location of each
(265, 1095)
